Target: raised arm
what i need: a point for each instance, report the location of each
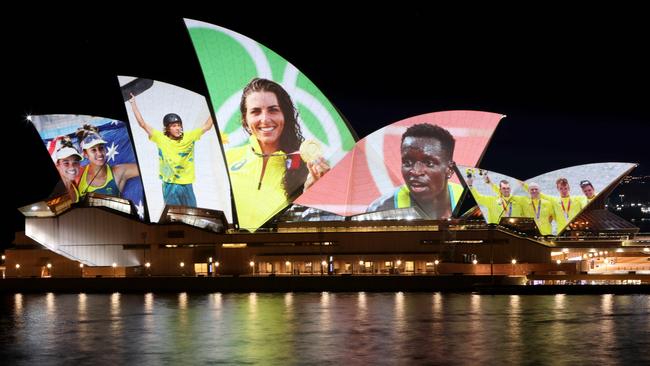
(138, 116)
(124, 172)
(207, 125)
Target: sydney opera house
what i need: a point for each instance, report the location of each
(266, 177)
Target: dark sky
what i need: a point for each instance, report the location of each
(574, 85)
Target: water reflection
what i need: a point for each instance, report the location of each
(399, 321)
(362, 307)
(50, 304)
(116, 321)
(327, 328)
(607, 331)
(148, 303)
(18, 305)
(84, 325)
(437, 322)
(514, 328)
(325, 321)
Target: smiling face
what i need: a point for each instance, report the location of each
(96, 155)
(534, 192)
(68, 167)
(588, 190)
(264, 120)
(504, 188)
(424, 167)
(563, 189)
(175, 130)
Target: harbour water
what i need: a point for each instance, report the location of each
(324, 328)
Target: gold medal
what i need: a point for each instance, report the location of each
(310, 151)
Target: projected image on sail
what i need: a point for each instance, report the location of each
(92, 155)
(572, 190)
(178, 147)
(281, 134)
(500, 196)
(408, 164)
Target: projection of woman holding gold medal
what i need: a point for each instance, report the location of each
(268, 172)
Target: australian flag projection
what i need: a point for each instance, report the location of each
(92, 154)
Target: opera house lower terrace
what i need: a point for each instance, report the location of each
(96, 241)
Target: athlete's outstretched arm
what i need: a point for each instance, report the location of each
(138, 116)
(207, 125)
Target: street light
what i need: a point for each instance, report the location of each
(49, 269)
(81, 266)
(514, 263)
(435, 266)
(114, 265)
(252, 264)
(182, 265)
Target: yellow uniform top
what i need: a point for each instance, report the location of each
(109, 187)
(403, 195)
(565, 209)
(498, 206)
(257, 198)
(176, 156)
(542, 211)
(586, 200)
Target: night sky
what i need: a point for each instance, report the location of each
(574, 85)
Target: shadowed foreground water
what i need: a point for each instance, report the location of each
(324, 328)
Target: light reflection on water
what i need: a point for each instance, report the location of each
(332, 328)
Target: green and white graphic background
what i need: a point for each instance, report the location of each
(230, 60)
